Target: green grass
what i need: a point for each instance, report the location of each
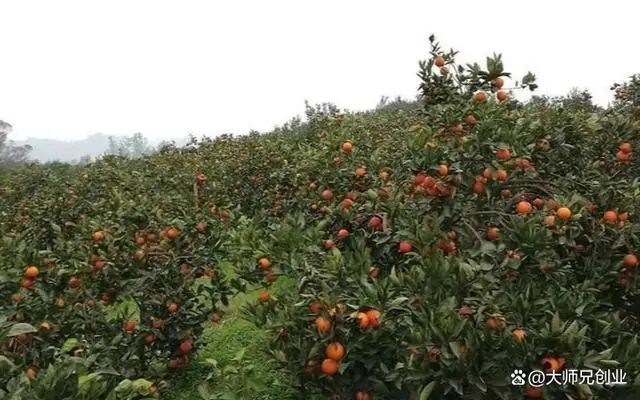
(224, 342)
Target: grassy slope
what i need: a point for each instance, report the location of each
(224, 341)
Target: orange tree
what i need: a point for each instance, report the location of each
(503, 238)
(103, 263)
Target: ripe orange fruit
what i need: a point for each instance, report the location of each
(347, 147)
(498, 83)
(480, 96)
(360, 172)
(97, 236)
(439, 61)
(329, 244)
(550, 364)
(404, 246)
(478, 187)
(329, 367)
(622, 156)
(532, 392)
(374, 222)
(322, 325)
(630, 261)
(471, 120)
(552, 204)
(264, 296)
(487, 173)
(129, 325)
(443, 170)
(458, 128)
(32, 272)
(185, 347)
(624, 216)
(610, 217)
(31, 373)
(343, 234)
(502, 95)
(374, 318)
(74, 282)
(363, 320)
(315, 307)
(419, 179)
(538, 202)
(625, 148)
(563, 213)
(99, 264)
(327, 195)
(264, 263)
(172, 233)
(335, 351)
(363, 396)
(172, 308)
(139, 241)
(201, 227)
(347, 203)
(519, 334)
(524, 207)
(550, 221)
(149, 339)
(501, 175)
(493, 233)
(503, 154)
(429, 182)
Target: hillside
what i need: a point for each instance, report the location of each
(409, 252)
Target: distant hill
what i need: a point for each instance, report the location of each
(44, 150)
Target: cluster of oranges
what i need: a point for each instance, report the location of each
(30, 275)
(335, 351)
(624, 152)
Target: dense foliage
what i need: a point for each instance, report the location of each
(434, 248)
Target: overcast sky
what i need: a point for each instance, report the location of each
(165, 68)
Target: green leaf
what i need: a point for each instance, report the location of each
(456, 348)
(69, 345)
(85, 381)
(487, 247)
(398, 300)
(555, 323)
(21, 329)
(239, 355)
(141, 386)
(427, 390)
(5, 363)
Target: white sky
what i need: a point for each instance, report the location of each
(165, 68)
